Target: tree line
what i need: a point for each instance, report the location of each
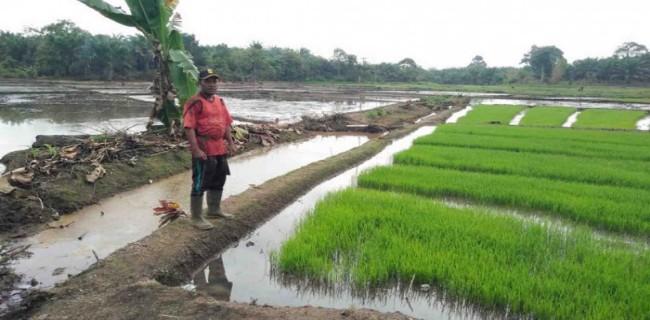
(63, 50)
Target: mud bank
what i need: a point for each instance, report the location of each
(129, 282)
(23, 211)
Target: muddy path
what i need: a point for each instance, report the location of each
(132, 281)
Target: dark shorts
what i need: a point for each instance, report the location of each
(209, 174)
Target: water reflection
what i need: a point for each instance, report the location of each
(213, 280)
(431, 303)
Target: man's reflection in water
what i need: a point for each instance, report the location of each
(213, 280)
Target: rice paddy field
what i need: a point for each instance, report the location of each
(546, 116)
(609, 119)
(493, 114)
(554, 222)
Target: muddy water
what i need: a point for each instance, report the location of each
(291, 111)
(128, 217)
(244, 272)
(67, 108)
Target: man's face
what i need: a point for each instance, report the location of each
(210, 85)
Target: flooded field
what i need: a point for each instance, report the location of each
(48, 108)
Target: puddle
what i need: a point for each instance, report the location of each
(644, 124)
(244, 272)
(459, 114)
(127, 217)
(517, 119)
(571, 120)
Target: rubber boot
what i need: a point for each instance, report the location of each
(196, 209)
(214, 205)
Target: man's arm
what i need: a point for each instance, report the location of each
(194, 144)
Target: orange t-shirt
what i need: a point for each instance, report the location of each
(210, 118)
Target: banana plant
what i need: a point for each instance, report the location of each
(176, 78)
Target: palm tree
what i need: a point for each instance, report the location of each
(176, 78)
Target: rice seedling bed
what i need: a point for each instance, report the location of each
(614, 209)
(626, 173)
(546, 116)
(538, 145)
(585, 135)
(609, 119)
(491, 114)
(373, 237)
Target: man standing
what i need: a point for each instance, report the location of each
(207, 127)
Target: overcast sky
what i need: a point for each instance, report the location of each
(443, 33)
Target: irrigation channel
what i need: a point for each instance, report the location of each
(127, 217)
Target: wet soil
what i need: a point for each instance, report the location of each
(169, 254)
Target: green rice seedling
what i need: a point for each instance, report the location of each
(538, 145)
(609, 119)
(491, 114)
(585, 135)
(615, 209)
(496, 261)
(546, 116)
(627, 173)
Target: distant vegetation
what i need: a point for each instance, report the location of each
(63, 50)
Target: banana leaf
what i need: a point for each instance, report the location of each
(114, 13)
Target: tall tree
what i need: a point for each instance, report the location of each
(630, 50)
(542, 60)
(478, 62)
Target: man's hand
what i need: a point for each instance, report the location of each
(199, 154)
(232, 148)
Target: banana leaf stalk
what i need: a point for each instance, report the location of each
(176, 78)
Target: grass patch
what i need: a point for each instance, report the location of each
(538, 145)
(376, 113)
(583, 135)
(626, 173)
(498, 261)
(615, 209)
(546, 116)
(609, 119)
(491, 114)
